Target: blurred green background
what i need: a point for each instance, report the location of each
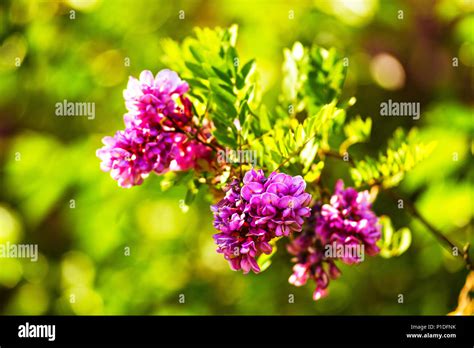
(53, 193)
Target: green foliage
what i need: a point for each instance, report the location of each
(228, 93)
(265, 260)
(222, 87)
(326, 75)
(403, 153)
(393, 243)
(307, 116)
(296, 144)
(312, 78)
(356, 131)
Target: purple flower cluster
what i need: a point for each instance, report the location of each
(254, 212)
(312, 263)
(131, 155)
(347, 223)
(160, 134)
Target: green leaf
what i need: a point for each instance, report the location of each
(190, 196)
(265, 260)
(225, 137)
(314, 171)
(404, 152)
(218, 83)
(222, 75)
(265, 123)
(233, 33)
(393, 243)
(196, 69)
(243, 113)
(326, 75)
(196, 83)
(247, 68)
(232, 59)
(308, 154)
(311, 77)
(356, 131)
(196, 54)
(224, 100)
(222, 92)
(300, 135)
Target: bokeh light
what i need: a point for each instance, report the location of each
(387, 71)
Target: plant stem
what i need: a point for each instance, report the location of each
(192, 136)
(337, 155)
(464, 253)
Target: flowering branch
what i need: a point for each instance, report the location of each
(416, 213)
(192, 136)
(164, 132)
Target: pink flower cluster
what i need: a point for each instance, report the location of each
(255, 212)
(344, 229)
(311, 263)
(160, 133)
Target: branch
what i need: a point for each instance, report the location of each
(192, 136)
(337, 155)
(437, 233)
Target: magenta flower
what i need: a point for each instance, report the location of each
(188, 153)
(160, 134)
(348, 221)
(252, 214)
(131, 155)
(278, 203)
(150, 99)
(311, 263)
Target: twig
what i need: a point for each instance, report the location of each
(337, 155)
(192, 136)
(437, 233)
